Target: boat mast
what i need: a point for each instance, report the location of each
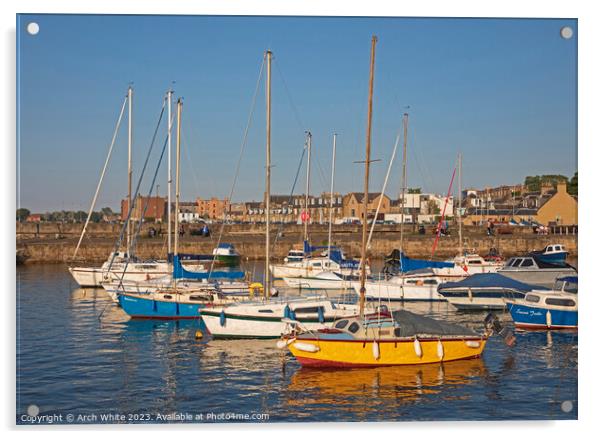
(177, 206)
(367, 180)
(404, 183)
(334, 154)
(459, 209)
(129, 224)
(169, 126)
(268, 132)
(306, 221)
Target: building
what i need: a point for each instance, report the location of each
(188, 212)
(353, 205)
(560, 208)
(152, 208)
(433, 204)
(213, 208)
(289, 209)
(548, 207)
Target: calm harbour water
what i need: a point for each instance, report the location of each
(78, 353)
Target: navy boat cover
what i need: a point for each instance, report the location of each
(489, 280)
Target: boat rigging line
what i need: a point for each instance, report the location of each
(240, 155)
(102, 174)
(131, 207)
(384, 185)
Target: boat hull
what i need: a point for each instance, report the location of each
(479, 299)
(149, 308)
(95, 276)
(544, 277)
(228, 260)
(361, 353)
(241, 326)
(316, 283)
(531, 317)
(394, 292)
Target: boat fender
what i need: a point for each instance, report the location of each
(417, 348)
(375, 350)
(287, 312)
(321, 314)
(473, 343)
(548, 319)
(222, 318)
(281, 344)
(291, 315)
(440, 352)
(306, 347)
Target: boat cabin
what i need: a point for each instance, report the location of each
(294, 256)
(554, 248)
(523, 262)
(556, 301)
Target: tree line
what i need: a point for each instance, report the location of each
(67, 216)
(534, 182)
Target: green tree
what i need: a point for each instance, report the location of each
(572, 187)
(22, 214)
(96, 217)
(432, 208)
(414, 190)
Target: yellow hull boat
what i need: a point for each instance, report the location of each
(321, 352)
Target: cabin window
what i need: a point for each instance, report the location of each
(353, 328)
(317, 264)
(474, 262)
(516, 262)
(527, 263)
(430, 282)
(201, 298)
(397, 332)
(341, 324)
(167, 296)
(312, 310)
(266, 310)
(411, 281)
(532, 298)
(559, 302)
(570, 287)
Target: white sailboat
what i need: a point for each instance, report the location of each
(265, 318)
(329, 270)
(122, 265)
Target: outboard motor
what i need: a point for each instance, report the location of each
(492, 324)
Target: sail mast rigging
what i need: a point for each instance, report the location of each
(367, 180)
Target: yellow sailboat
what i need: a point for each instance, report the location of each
(382, 338)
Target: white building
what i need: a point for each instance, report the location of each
(189, 217)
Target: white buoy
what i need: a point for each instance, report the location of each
(375, 350)
(472, 343)
(417, 348)
(548, 319)
(281, 344)
(440, 352)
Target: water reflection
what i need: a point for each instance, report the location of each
(358, 389)
(79, 352)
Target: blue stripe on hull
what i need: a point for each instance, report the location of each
(528, 316)
(143, 308)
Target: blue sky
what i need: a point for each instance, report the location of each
(501, 91)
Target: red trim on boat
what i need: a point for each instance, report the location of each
(312, 362)
(538, 326)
